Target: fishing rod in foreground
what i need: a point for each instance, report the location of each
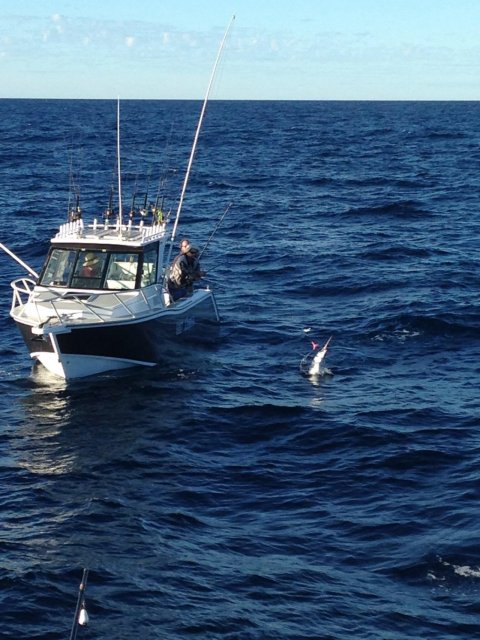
(81, 615)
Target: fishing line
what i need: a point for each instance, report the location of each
(215, 230)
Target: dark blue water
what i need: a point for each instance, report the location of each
(234, 498)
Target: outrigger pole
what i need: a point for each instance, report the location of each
(197, 133)
(20, 262)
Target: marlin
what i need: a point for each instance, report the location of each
(311, 363)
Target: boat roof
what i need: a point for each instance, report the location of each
(109, 233)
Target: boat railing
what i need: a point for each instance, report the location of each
(51, 306)
(111, 229)
(22, 289)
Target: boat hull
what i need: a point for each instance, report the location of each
(76, 350)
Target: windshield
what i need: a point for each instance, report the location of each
(99, 269)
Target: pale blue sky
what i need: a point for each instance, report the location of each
(277, 49)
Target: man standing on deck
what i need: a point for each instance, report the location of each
(185, 270)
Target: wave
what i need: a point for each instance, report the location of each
(400, 208)
(398, 252)
(446, 135)
(374, 181)
(444, 325)
(447, 573)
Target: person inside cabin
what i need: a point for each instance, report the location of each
(91, 266)
(185, 270)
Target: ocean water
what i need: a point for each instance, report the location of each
(234, 498)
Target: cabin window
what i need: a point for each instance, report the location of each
(149, 267)
(96, 269)
(89, 270)
(59, 268)
(122, 271)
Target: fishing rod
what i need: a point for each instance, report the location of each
(157, 211)
(73, 210)
(215, 230)
(20, 262)
(145, 200)
(119, 169)
(197, 134)
(109, 210)
(132, 208)
(81, 615)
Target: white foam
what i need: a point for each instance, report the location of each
(467, 572)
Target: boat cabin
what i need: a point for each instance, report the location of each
(106, 268)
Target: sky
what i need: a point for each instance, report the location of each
(275, 50)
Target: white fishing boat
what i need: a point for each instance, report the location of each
(78, 325)
(101, 301)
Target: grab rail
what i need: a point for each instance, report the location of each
(90, 309)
